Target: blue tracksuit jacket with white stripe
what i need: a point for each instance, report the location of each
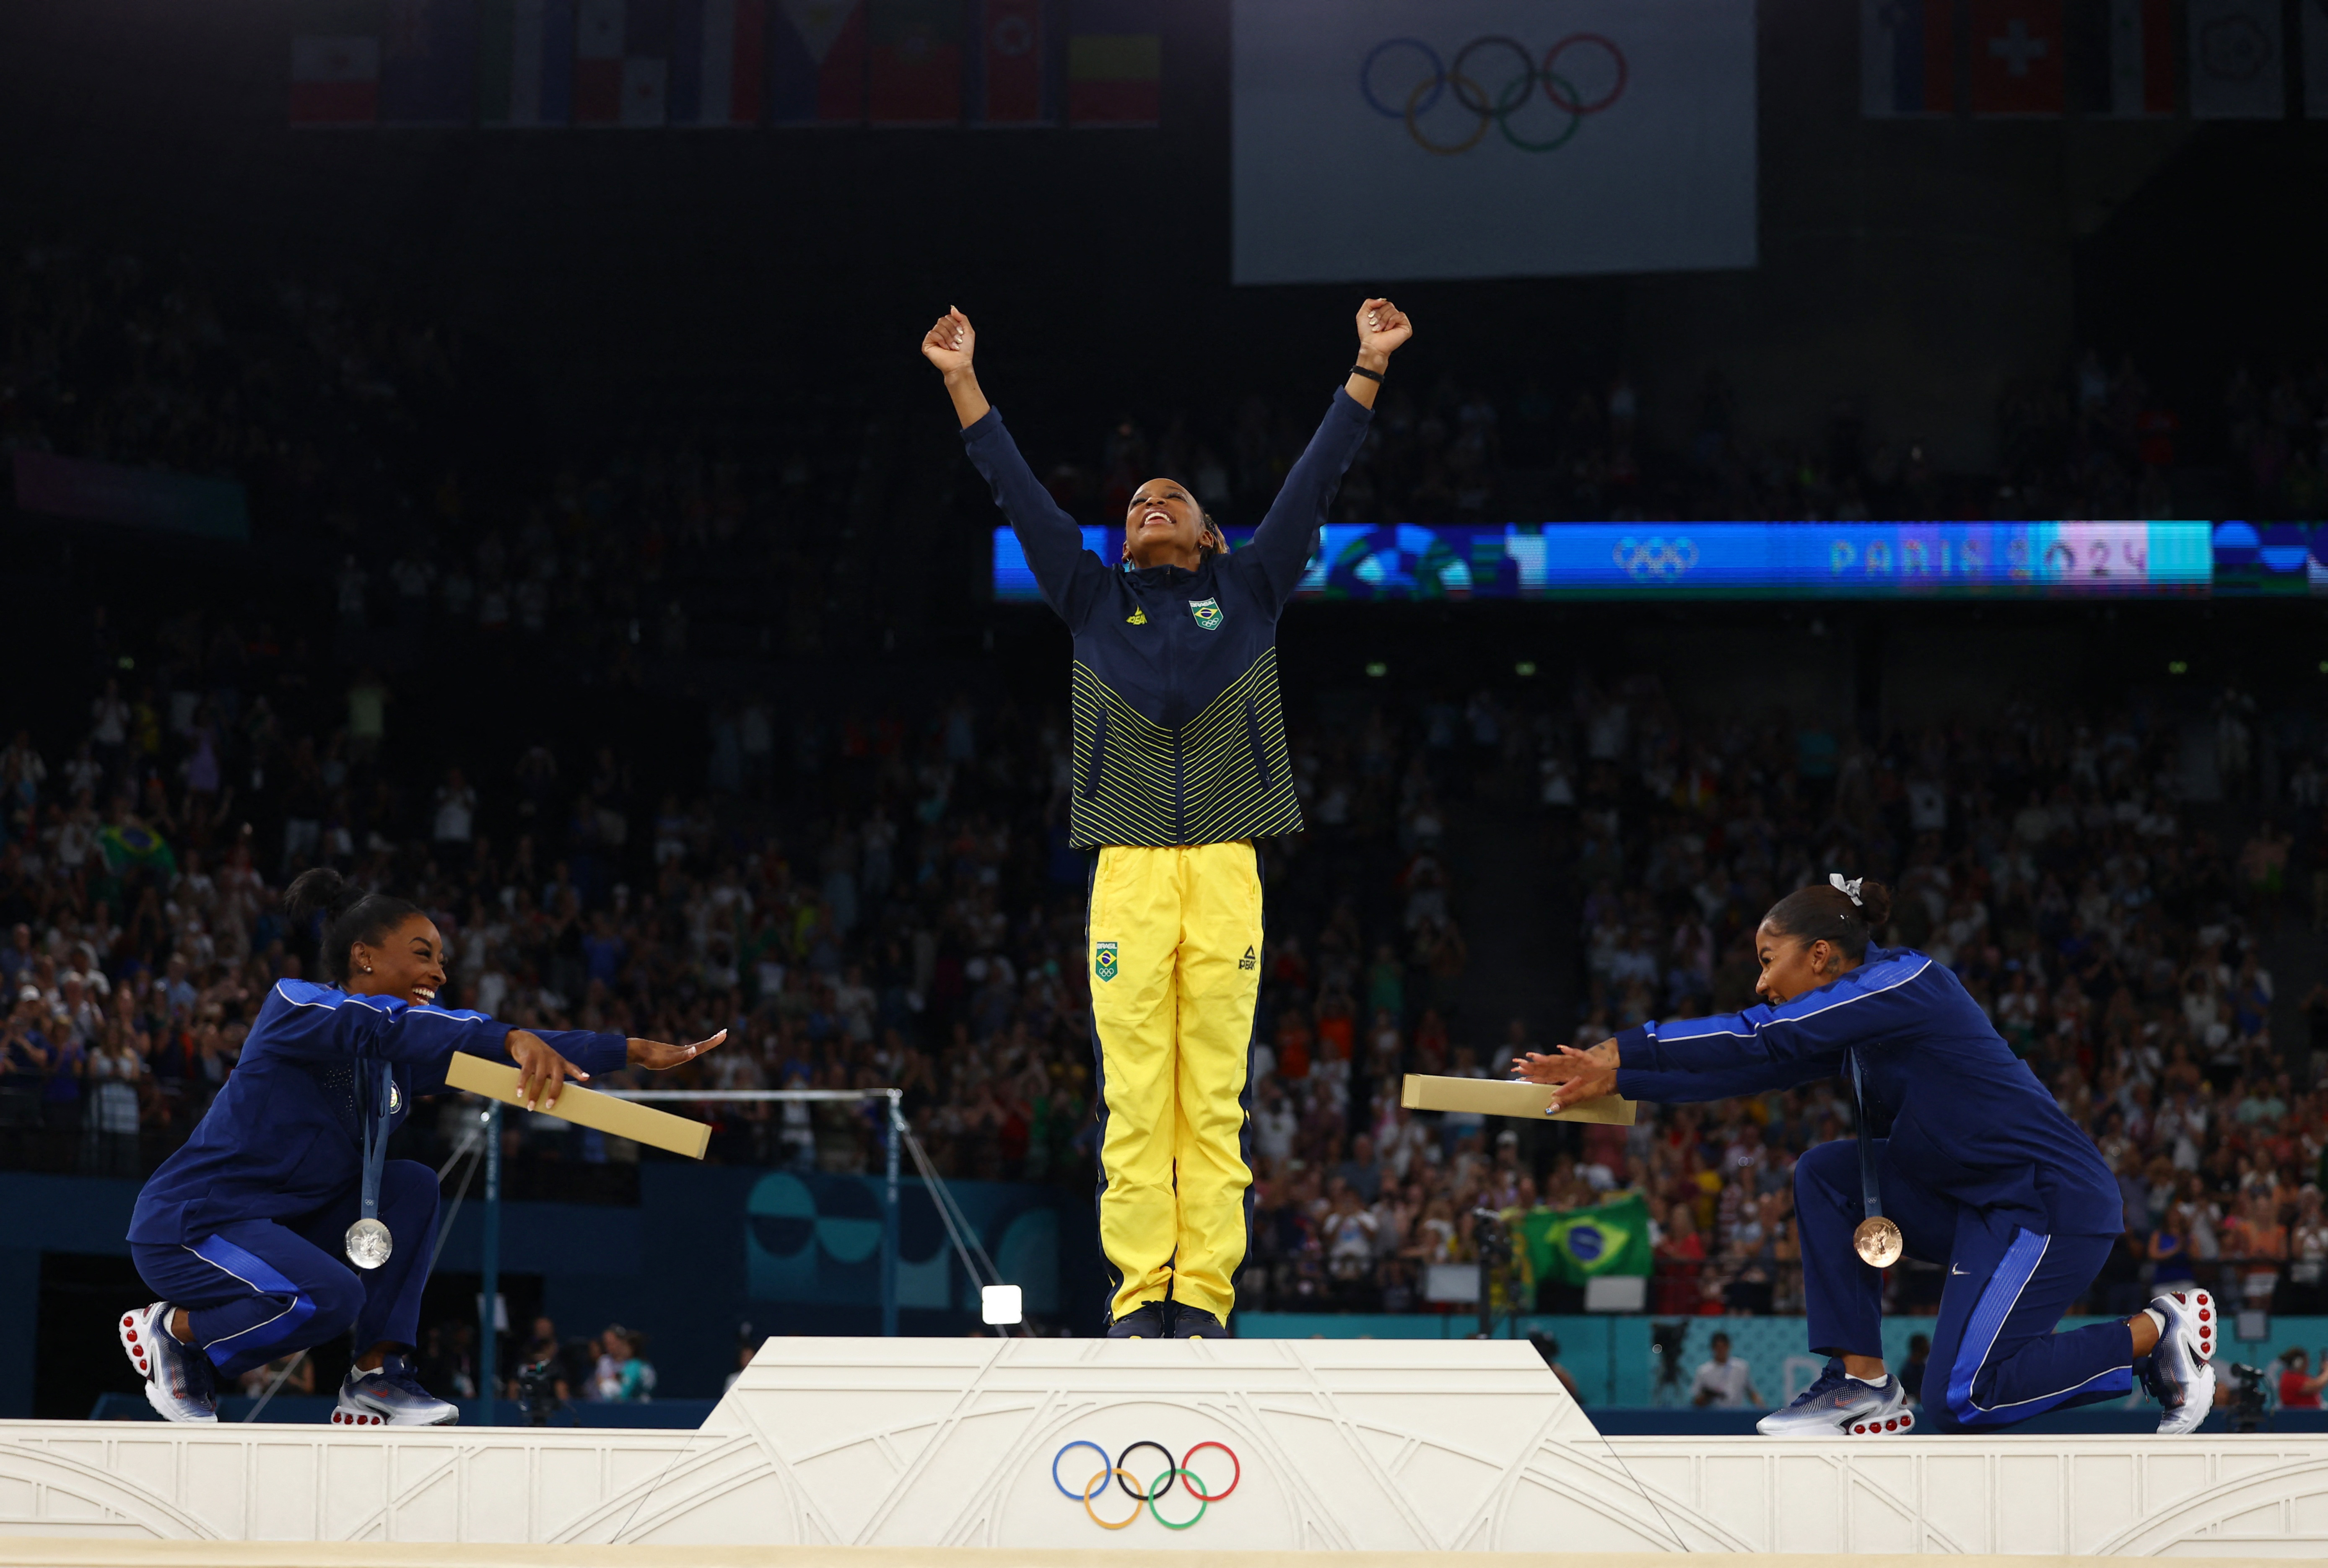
(283, 1138)
(1970, 1119)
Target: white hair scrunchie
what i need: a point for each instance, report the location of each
(1848, 889)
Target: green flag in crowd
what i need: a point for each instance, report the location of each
(131, 842)
(1573, 1244)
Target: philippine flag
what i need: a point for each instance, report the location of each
(719, 62)
(816, 62)
(1906, 57)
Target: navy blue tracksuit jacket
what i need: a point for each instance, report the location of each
(1984, 1173)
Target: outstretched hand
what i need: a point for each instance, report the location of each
(951, 343)
(1575, 1075)
(1382, 328)
(657, 1057)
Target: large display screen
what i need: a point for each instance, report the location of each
(1765, 560)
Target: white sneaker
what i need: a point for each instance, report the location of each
(390, 1395)
(2182, 1376)
(1840, 1405)
(179, 1382)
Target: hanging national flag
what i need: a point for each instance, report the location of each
(2141, 58)
(622, 60)
(2314, 27)
(335, 62)
(1013, 70)
(2016, 57)
(915, 62)
(1573, 1245)
(1115, 63)
(2235, 60)
(525, 63)
(428, 53)
(816, 62)
(718, 62)
(1906, 57)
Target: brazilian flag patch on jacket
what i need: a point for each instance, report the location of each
(1104, 960)
(1207, 613)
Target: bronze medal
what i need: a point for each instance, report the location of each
(1878, 1242)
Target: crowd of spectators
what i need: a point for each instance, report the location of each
(870, 891)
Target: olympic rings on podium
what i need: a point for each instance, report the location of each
(1498, 108)
(1130, 1481)
(1169, 1478)
(1118, 1474)
(1156, 1488)
(1194, 1486)
(1055, 1458)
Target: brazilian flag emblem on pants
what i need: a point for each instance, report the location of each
(1104, 960)
(1573, 1245)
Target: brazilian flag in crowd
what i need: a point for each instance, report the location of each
(1573, 1244)
(131, 842)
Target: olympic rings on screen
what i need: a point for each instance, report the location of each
(1194, 1486)
(1117, 1475)
(1498, 107)
(1055, 1458)
(1155, 1490)
(1100, 1479)
(1656, 557)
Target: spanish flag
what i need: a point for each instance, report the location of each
(1115, 67)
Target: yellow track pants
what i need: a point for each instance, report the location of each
(1175, 938)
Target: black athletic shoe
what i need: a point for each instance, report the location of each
(1145, 1321)
(1190, 1323)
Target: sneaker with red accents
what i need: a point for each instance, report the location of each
(179, 1382)
(390, 1396)
(1840, 1405)
(2182, 1376)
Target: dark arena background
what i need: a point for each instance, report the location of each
(482, 446)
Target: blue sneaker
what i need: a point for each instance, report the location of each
(390, 1396)
(180, 1383)
(1840, 1405)
(1196, 1323)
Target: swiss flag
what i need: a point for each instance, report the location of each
(2016, 57)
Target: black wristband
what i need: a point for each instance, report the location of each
(1374, 376)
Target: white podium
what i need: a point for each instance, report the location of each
(1400, 1446)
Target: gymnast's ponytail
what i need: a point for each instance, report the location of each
(1845, 915)
(349, 915)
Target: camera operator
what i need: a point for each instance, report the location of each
(2299, 1387)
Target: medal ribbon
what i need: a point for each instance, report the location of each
(379, 1110)
(1871, 1195)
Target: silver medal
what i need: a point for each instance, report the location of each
(369, 1244)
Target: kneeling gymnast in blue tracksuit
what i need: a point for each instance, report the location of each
(247, 1232)
(1982, 1173)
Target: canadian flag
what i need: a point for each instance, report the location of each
(334, 82)
(2016, 57)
